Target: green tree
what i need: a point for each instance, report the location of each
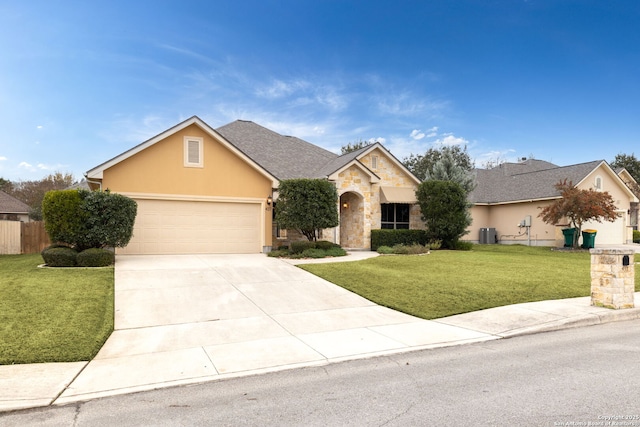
(307, 205)
(445, 211)
(448, 169)
(354, 146)
(89, 219)
(5, 185)
(632, 165)
(421, 165)
(579, 206)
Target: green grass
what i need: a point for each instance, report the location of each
(52, 315)
(452, 282)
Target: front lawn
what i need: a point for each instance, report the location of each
(52, 315)
(444, 283)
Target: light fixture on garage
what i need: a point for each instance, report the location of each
(345, 205)
(269, 200)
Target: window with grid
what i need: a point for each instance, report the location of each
(394, 216)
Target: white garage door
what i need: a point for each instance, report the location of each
(188, 227)
(608, 233)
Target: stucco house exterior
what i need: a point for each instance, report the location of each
(205, 190)
(12, 209)
(508, 198)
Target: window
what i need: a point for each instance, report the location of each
(374, 162)
(395, 216)
(193, 152)
(598, 183)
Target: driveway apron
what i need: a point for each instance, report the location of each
(189, 318)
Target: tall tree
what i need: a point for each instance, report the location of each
(32, 192)
(354, 146)
(307, 205)
(5, 185)
(579, 206)
(421, 165)
(447, 169)
(629, 162)
(445, 211)
(632, 165)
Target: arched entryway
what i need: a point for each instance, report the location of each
(351, 220)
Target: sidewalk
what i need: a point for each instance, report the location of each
(281, 340)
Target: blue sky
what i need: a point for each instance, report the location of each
(83, 81)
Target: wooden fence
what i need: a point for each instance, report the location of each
(22, 237)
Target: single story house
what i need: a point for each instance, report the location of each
(508, 198)
(12, 209)
(205, 190)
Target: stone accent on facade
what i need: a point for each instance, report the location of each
(612, 278)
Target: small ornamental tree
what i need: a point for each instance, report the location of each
(579, 206)
(307, 205)
(445, 211)
(88, 219)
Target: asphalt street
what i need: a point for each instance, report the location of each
(583, 376)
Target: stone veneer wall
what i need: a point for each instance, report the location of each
(612, 282)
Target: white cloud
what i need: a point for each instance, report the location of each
(27, 166)
(2, 158)
(39, 127)
(417, 134)
(450, 139)
(279, 88)
(433, 132)
(379, 139)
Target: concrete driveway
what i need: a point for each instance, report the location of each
(191, 318)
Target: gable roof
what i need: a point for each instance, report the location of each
(530, 180)
(97, 172)
(11, 205)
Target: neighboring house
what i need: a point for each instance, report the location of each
(12, 209)
(205, 190)
(634, 211)
(508, 198)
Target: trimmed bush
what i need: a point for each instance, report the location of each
(60, 257)
(278, 253)
(385, 250)
(397, 237)
(463, 246)
(314, 253)
(325, 245)
(414, 249)
(95, 257)
(335, 251)
(636, 236)
(434, 245)
(301, 246)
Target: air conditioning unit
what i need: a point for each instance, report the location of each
(488, 236)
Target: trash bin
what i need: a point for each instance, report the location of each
(568, 236)
(588, 238)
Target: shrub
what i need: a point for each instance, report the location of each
(335, 251)
(63, 215)
(314, 253)
(60, 257)
(95, 257)
(301, 246)
(414, 249)
(636, 236)
(463, 246)
(397, 237)
(325, 245)
(278, 253)
(434, 245)
(385, 250)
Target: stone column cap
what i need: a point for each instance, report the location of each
(611, 251)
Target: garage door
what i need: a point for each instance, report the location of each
(608, 233)
(187, 227)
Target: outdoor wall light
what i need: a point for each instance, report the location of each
(345, 205)
(269, 200)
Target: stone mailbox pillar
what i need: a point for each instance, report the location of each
(612, 278)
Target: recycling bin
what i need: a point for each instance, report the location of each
(569, 233)
(588, 239)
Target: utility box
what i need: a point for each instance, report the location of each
(612, 278)
(488, 236)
